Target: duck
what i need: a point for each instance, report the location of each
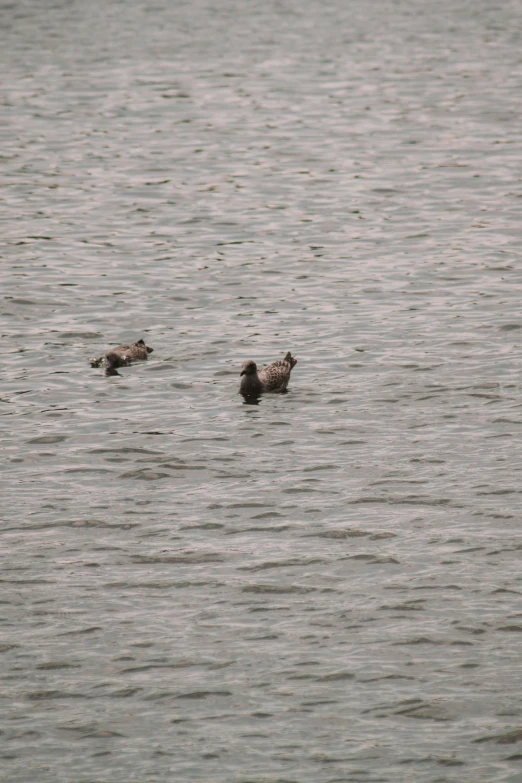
(273, 379)
(122, 356)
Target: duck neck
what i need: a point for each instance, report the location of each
(251, 385)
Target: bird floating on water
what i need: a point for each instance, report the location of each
(273, 378)
(122, 356)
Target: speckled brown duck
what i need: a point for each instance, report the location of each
(122, 356)
(273, 378)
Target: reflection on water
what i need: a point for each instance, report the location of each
(198, 591)
(249, 400)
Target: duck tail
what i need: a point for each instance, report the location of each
(290, 359)
(141, 343)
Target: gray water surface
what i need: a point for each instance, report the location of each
(323, 587)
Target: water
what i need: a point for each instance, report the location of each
(326, 586)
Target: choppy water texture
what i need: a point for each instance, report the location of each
(325, 586)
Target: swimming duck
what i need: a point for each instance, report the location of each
(273, 378)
